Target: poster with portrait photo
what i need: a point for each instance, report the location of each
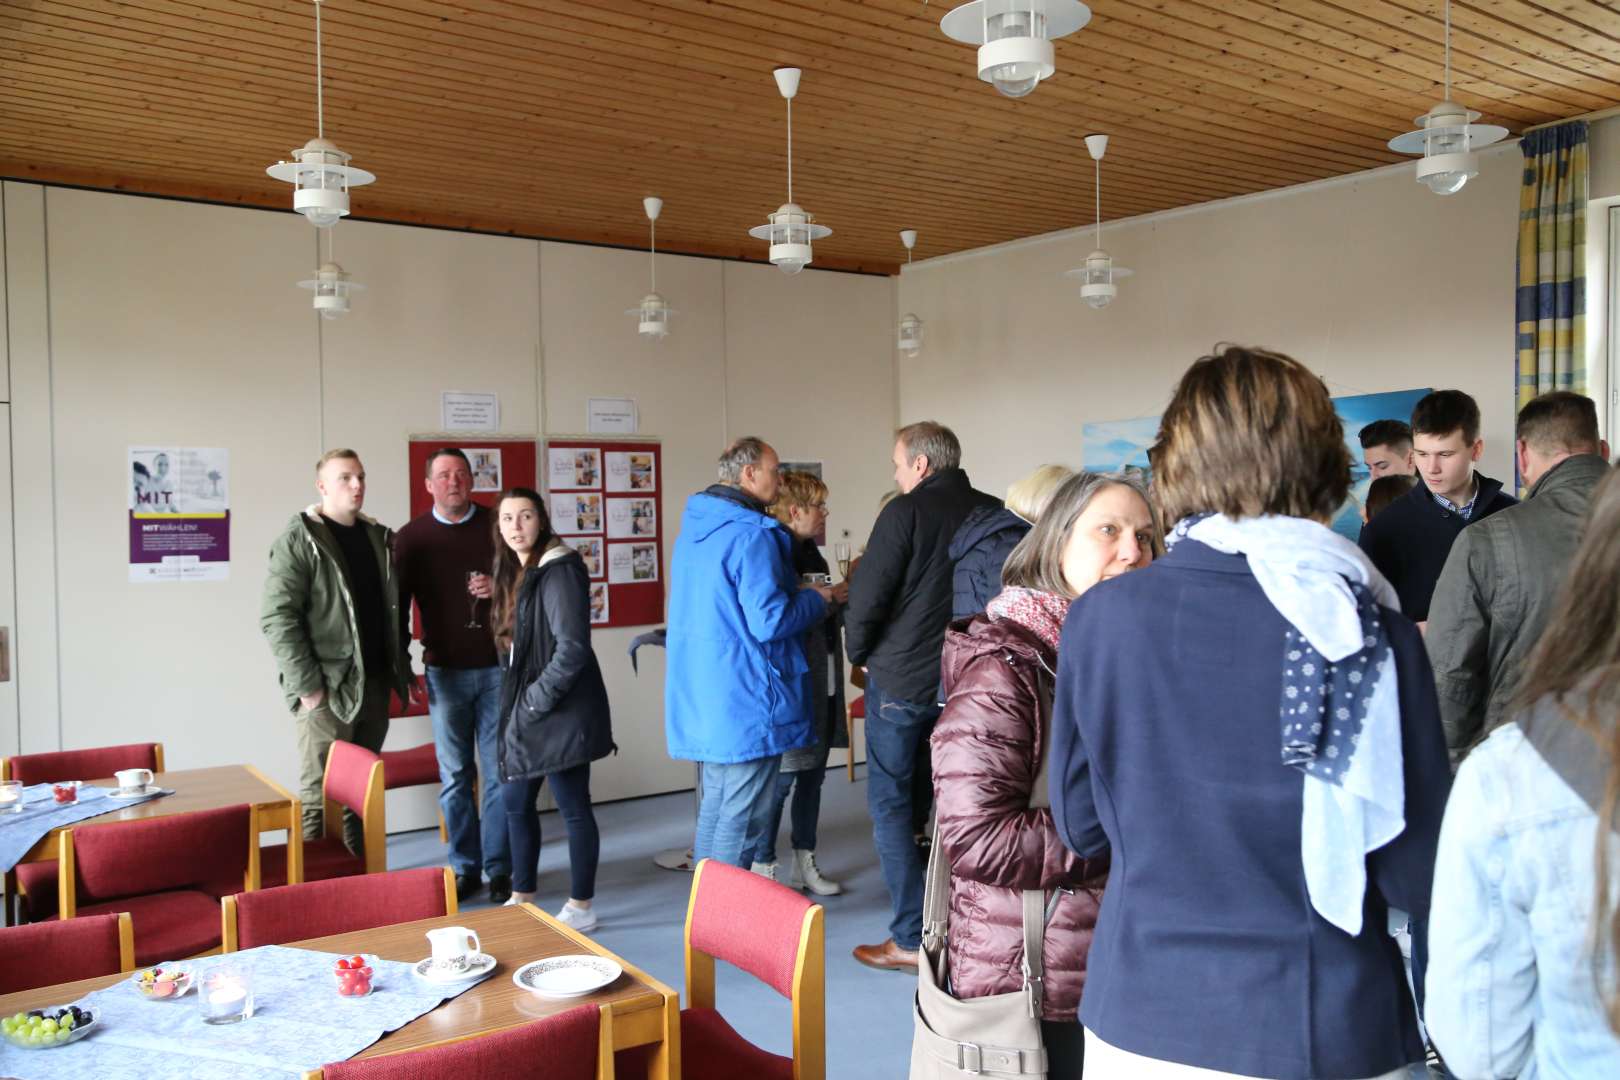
(632, 471)
(576, 512)
(630, 519)
(599, 602)
(573, 468)
(590, 549)
(179, 513)
(485, 463)
(632, 564)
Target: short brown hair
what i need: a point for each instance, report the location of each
(1560, 421)
(798, 488)
(334, 455)
(932, 440)
(1250, 432)
(1385, 490)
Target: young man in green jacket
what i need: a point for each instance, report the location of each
(331, 615)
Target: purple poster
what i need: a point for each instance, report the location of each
(179, 514)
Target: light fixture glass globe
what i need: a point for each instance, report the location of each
(1014, 78)
(1446, 183)
(322, 217)
(790, 266)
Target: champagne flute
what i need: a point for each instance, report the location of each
(472, 601)
(841, 554)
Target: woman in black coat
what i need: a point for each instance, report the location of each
(554, 705)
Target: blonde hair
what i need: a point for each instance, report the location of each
(334, 455)
(798, 489)
(1028, 497)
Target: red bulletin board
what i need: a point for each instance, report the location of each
(606, 499)
(517, 467)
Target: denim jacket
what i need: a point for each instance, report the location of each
(1511, 987)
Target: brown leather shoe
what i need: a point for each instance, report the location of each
(887, 957)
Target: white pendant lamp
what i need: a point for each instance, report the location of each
(332, 286)
(1098, 276)
(1015, 38)
(1446, 137)
(790, 230)
(652, 317)
(319, 172)
(911, 327)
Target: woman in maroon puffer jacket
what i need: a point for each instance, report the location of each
(988, 746)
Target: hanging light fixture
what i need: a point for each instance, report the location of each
(331, 286)
(319, 172)
(1098, 276)
(790, 230)
(652, 317)
(911, 327)
(1015, 38)
(1446, 137)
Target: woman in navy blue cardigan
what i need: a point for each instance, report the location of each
(1197, 738)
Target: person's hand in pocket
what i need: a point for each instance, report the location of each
(313, 701)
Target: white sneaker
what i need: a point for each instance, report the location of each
(765, 869)
(581, 919)
(807, 875)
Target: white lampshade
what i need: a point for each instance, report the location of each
(321, 177)
(1015, 38)
(911, 334)
(790, 231)
(652, 317)
(332, 289)
(1447, 136)
(1097, 279)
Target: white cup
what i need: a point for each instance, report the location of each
(454, 947)
(133, 780)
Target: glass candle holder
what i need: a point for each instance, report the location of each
(225, 995)
(11, 800)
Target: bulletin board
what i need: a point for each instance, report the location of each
(497, 464)
(605, 500)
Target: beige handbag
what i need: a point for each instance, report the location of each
(998, 1035)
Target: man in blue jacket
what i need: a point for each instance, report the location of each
(736, 695)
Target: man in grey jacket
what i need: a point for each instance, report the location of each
(1503, 574)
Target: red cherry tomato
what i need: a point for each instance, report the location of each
(357, 961)
(343, 965)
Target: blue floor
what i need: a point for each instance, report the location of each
(643, 911)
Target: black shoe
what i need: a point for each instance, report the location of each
(468, 885)
(500, 888)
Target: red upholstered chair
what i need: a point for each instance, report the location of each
(36, 882)
(169, 873)
(573, 1045)
(57, 951)
(339, 906)
(419, 765)
(774, 934)
(354, 780)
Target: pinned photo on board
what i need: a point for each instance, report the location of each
(632, 471)
(486, 468)
(599, 602)
(590, 550)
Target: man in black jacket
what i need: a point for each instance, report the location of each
(899, 605)
(1410, 539)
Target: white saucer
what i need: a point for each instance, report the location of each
(482, 965)
(120, 793)
(567, 976)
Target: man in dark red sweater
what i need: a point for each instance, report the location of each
(444, 559)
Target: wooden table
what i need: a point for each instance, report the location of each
(645, 1011)
(203, 789)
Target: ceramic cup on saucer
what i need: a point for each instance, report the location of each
(133, 781)
(455, 948)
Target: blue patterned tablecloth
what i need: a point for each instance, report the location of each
(41, 813)
(299, 1023)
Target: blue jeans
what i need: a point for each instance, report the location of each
(806, 789)
(899, 789)
(731, 815)
(572, 790)
(466, 705)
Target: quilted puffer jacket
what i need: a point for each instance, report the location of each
(987, 747)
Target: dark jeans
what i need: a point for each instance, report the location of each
(1065, 1042)
(466, 708)
(899, 789)
(572, 789)
(806, 789)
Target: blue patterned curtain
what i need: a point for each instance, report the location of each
(1551, 338)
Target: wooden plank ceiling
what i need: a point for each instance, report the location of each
(553, 118)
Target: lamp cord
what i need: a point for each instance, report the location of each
(652, 252)
(1448, 50)
(320, 101)
(790, 149)
(1097, 170)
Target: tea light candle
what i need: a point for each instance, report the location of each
(225, 999)
(10, 796)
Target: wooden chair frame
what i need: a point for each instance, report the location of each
(809, 986)
(372, 816)
(227, 912)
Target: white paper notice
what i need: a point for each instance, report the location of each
(590, 549)
(460, 411)
(573, 467)
(611, 416)
(629, 564)
(576, 513)
(599, 602)
(630, 518)
(633, 471)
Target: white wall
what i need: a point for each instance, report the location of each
(138, 321)
(1371, 280)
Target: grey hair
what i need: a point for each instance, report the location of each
(746, 451)
(1037, 561)
(932, 440)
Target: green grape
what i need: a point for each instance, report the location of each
(8, 1025)
(63, 1035)
(66, 1022)
(19, 1018)
(48, 1026)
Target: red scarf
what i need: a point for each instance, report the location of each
(1041, 613)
